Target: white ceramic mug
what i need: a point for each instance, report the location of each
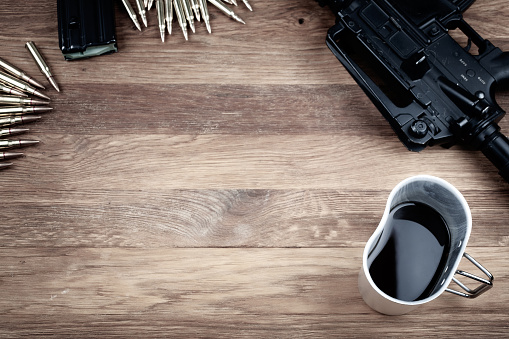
(445, 199)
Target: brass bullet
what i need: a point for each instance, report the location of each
(6, 144)
(179, 11)
(131, 13)
(168, 5)
(12, 131)
(4, 165)
(248, 5)
(142, 11)
(196, 9)
(223, 8)
(11, 69)
(161, 18)
(23, 119)
(188, 12)
(205, 13)
(24, 110)
(12, 91)
(39, 60)
(20, 84)
(10, 155)
(14, 100)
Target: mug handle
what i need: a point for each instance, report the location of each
(485, 284)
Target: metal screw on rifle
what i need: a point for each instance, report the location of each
(434, 30)
(419, 128)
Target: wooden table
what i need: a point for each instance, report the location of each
(223, 186)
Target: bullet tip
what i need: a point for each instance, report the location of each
(36, 84)
(30, 118)
(137, 24)
(38, 102)
(14, 131)
(23, 143)
(54, 84)
(236, 17)
(248, 5)
(10, 155)
(42, 109)
(39, 94)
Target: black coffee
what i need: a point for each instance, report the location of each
(411, 253)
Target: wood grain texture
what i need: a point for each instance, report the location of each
(222, 187)
(288, 293)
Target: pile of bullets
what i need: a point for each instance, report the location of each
(17, 106)
(185, 13)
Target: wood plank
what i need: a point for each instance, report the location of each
(138, 162)
(213, 109)
(220, 292)
(219, 109)
(216, 218)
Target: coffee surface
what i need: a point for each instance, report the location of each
(411, 253)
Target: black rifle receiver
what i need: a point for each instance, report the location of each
(432, 90)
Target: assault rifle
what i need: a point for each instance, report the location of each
(431, 89)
